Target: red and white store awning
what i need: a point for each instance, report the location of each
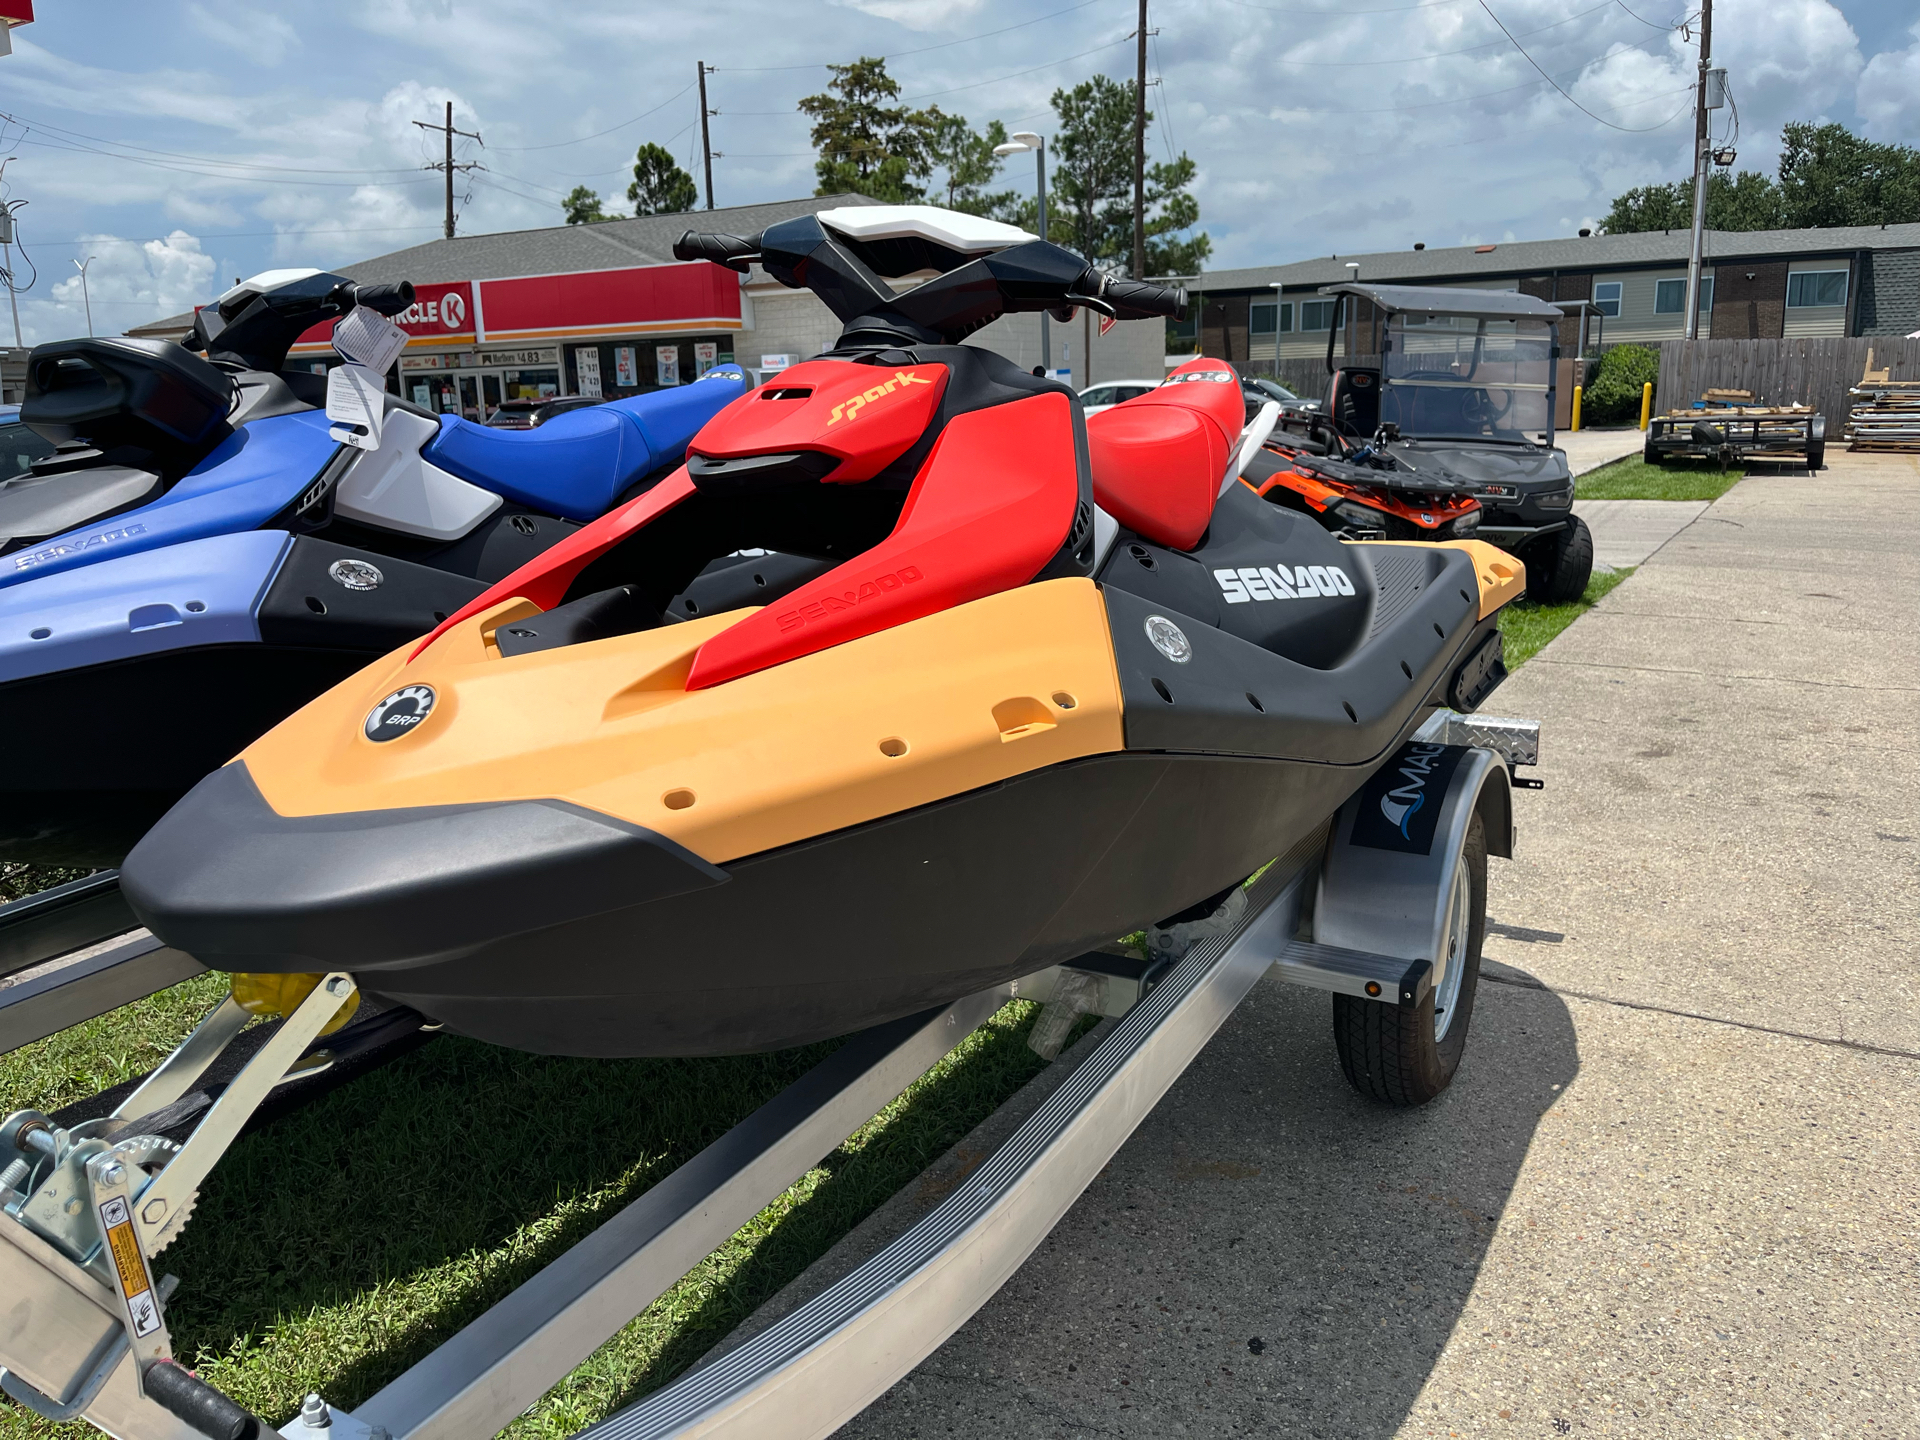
(581, 305)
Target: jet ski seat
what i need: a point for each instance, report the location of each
(1159, 459)
(579, 463)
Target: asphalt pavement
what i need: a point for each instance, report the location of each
(1673, 1190)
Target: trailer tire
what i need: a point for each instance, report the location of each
(1816, 456)
(1390, 1052)
(1653, 456)
(1559, 565)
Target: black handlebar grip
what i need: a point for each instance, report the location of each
(385, 299)
(199, 1405)
(1147, 298)
(733, 251)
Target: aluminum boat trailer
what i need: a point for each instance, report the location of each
(86, 1212)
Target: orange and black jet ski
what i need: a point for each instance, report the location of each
(1063, 678)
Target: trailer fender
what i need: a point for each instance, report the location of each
(1390, 862)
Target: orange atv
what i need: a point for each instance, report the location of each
(1369, 494)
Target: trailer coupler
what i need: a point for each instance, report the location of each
(85, 1210)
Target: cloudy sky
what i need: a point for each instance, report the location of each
(184, 145)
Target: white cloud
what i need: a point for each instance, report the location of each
(261, 36)
(923, 15)
(127, 283)
(1888, 97)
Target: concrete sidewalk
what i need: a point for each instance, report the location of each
(1590, 449)
(1673, 1191)
(1629, 532)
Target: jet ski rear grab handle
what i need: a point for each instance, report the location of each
(65, 1348)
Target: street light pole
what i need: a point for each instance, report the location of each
(1021, 142)
(85, 298)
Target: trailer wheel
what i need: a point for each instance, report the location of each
(1559, 565)
(1406, 1056)
(1816, 456)
(1653, 456)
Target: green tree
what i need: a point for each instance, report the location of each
(1830, 176)
(660, 186)
(1092, 171)
(1172, 210)
(966, 158)
(1747, 201)
(1091, 204)
(866, 143)
(582, 207)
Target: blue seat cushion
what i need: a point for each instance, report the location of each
(578, 463)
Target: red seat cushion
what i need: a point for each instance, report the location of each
(1158, 459)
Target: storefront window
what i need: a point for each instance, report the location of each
(532, 384)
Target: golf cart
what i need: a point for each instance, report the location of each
(1456, 394)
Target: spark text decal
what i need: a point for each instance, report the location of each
(847, 409)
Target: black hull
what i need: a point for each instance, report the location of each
(101, 751)
(807, 942)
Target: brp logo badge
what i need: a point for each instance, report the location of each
(453, 309)
(400, 713)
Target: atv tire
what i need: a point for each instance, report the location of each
(1389, 1052)
(1560, 565)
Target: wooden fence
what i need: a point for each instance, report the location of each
(1780, 372)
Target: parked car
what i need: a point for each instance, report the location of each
(1111, 392)
(530, 414)
(19, 446)
(1257, 390)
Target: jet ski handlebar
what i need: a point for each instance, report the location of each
(1138, 299)
(388, 300)
(736, 252)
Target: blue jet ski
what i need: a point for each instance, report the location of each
(197, 557)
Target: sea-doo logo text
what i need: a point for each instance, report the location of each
(1401, 804)
(826, 605)
(74, 547)
(1287, 582)
(400, 713)
(1218, 377)
(847, 409)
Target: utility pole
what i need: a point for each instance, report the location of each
(447, 164)
(706, 145)
(1140, 153)
(1702, 157)
(6, 249)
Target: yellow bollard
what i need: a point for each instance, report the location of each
(1646, 404)
(1578, 392)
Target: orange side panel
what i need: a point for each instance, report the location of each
(991, 506)
(967, 697)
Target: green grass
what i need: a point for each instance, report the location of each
(337, 1247)
(1634, 479)
(1525, 628)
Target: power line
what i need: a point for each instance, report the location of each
(1438, 54)
(1623, 129)
(557, 144)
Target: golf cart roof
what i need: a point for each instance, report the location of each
(1436, 300)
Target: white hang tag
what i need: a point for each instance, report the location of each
(356, 404)
(366, 337)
